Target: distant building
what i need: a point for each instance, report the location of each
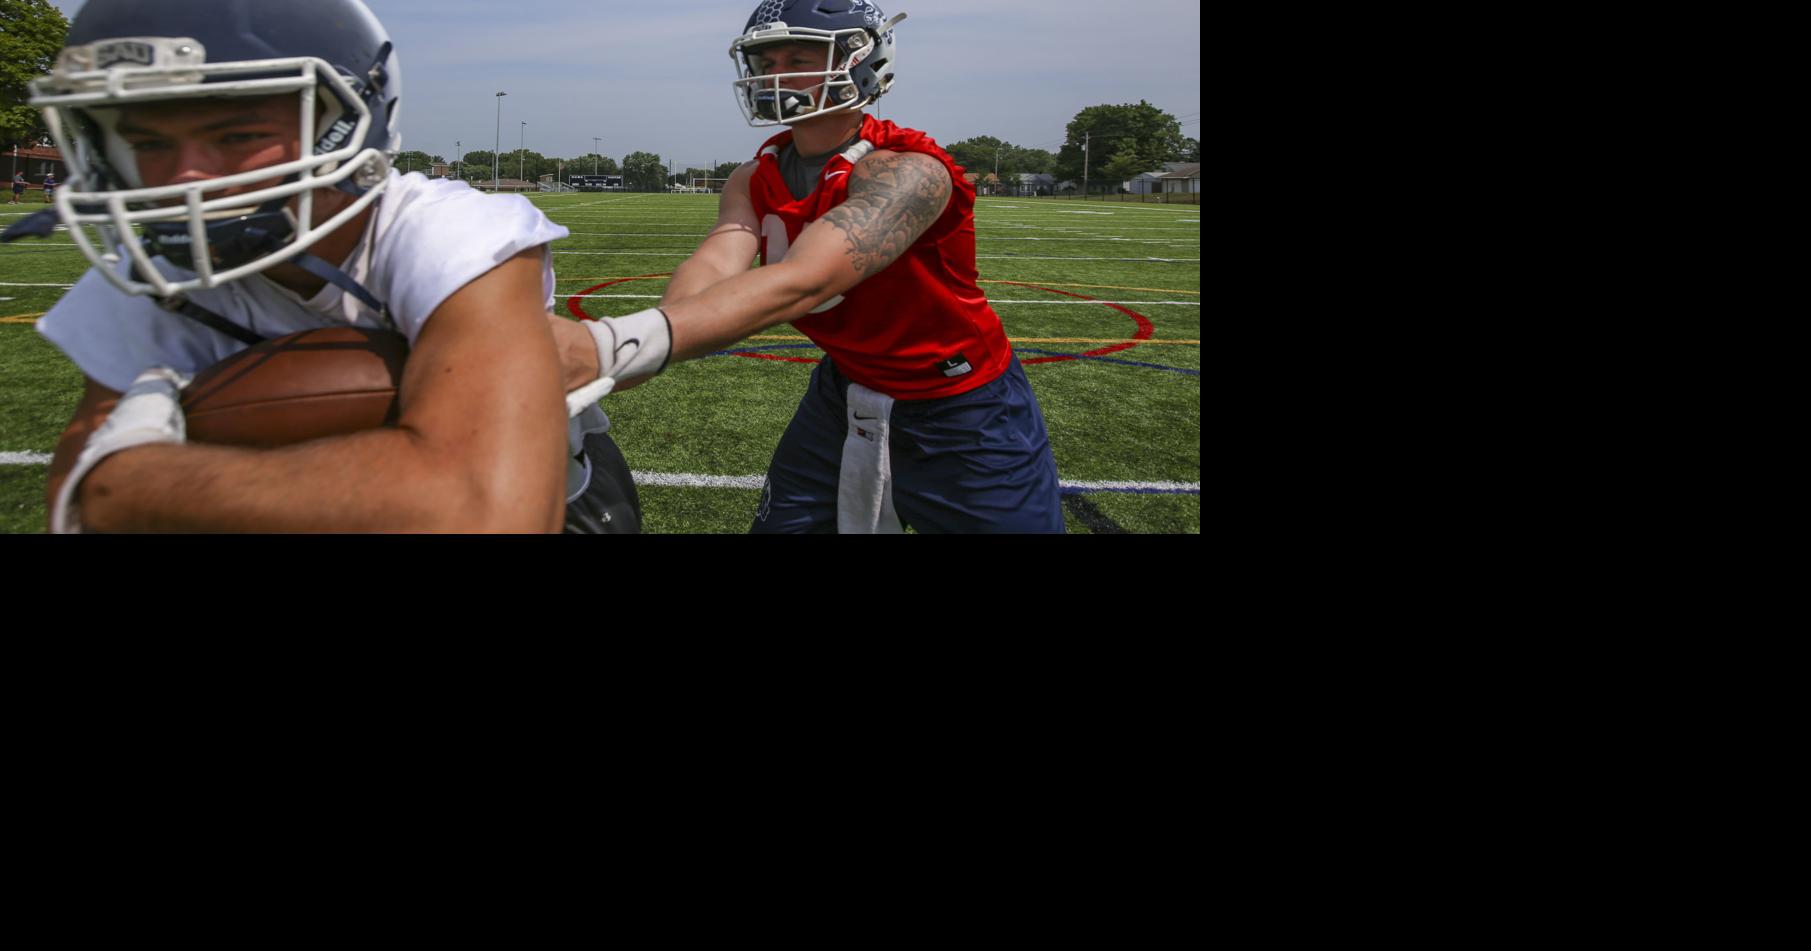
(1185, 178)
(1150, 183)
(37, 160)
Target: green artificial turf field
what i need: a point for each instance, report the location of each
(1101, 300)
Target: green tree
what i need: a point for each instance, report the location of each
(643, 172)
(1191, 150)
(475, 166)
(984, 153)
(979, 155)
(1156, 135)
(592, 163)
(1127, 161)
(1033, 161)
(31, 33)
(416, 161)
(725, 170)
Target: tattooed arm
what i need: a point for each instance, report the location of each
(893, 198)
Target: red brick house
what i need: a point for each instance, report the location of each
(35, 161)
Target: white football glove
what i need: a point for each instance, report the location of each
(148, 412)
(627, 347)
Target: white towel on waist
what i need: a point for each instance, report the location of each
(864, 492)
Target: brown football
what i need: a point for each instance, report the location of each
(304, 386)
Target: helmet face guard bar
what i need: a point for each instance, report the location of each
(766, 101)
(112, 207)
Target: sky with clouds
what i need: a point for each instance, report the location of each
(656, 78)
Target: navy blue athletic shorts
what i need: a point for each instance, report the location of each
(609, 505)
(975, 462)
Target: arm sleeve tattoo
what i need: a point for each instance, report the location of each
(892, 200)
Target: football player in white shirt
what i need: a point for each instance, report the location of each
(250, 143)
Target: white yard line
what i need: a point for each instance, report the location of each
(1084, 303)
(1061, 257)
(643, 254)
(688, 480)
(1073, 227)
(994, 237)
(1132, 486)
(687, 252)
(990, 300)
(605, 201)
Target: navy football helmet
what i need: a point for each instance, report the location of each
(332, 55)
(858, 69)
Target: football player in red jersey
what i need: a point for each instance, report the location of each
(919, 413)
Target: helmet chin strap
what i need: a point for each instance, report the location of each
(181, 304)
(340, 279)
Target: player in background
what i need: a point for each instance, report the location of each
(919, 411)
(251, 143)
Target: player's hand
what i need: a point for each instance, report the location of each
(627, 348)
(150, 411)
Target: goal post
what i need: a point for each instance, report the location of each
(713, 185)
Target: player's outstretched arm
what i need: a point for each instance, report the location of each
(893, 198)
(480, 445)
(730, 247)
(724, 253)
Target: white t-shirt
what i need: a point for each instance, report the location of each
(428, 239)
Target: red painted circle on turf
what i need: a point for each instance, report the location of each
(578, 309)
(1143, 323)
(1140, 321)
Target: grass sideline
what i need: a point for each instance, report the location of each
(1115, 415)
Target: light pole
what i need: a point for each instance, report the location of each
(594, 149)
(494, 177)
(458, 154)
(1086, 138)
(519, 154)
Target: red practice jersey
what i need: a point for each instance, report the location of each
(919, 329)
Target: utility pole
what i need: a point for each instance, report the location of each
(495, 179)
(458, 154)
(1085, 139)
(520, 155)
(594, 150)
